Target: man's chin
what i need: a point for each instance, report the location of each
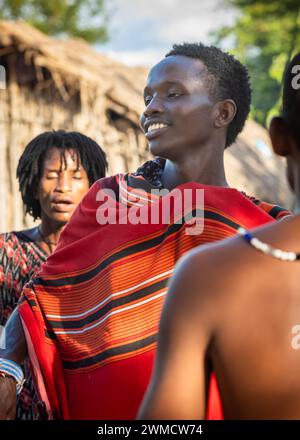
(62, 217)
(164, 152)
(159, 150)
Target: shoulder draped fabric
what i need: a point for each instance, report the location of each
(91, 315)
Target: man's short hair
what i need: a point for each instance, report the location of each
(291, 97)
(226, 78)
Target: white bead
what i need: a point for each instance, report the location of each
(267, 249)
(278, 253)
(292, 256)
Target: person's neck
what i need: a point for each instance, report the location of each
(207, 169)
(51, 230)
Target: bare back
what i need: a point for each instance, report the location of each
(232, 309)
(254, 352)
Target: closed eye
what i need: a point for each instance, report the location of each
(77, 175)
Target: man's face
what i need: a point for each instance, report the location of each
(179, 110)
(62, 185)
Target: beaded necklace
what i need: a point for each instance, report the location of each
(266, 248)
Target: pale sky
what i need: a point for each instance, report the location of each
(142, 31)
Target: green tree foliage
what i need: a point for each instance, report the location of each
(78, 18)
(265, 36)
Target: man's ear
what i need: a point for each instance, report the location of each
(280, 136)
(226, 111)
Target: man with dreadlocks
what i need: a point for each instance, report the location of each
(55, 171)
(91, 315)
(244, 323)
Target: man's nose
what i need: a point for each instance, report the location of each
(64, 183)
(153, 107)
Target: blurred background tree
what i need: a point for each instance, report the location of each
(75, 18)
(264, 36)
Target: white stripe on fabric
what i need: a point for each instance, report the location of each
(87, 312)
(132, 203)
(114, 312)
(137, 196)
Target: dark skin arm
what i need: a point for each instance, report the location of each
(15, 350)
(178, 388)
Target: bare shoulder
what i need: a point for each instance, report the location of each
(205, 279)
(211, 266)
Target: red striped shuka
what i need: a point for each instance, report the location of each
(91, 315)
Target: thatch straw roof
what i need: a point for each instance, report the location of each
(252, 166)
(75, 65)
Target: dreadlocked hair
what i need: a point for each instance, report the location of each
(30, 166)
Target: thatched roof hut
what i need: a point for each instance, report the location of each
(67, 84)
(252, 166)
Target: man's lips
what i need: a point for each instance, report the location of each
(155, 129)
(62, 205)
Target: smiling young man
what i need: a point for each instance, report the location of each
(97, 336)
(243, 322)
(189, 109)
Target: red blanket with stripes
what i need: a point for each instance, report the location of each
(91, 314)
